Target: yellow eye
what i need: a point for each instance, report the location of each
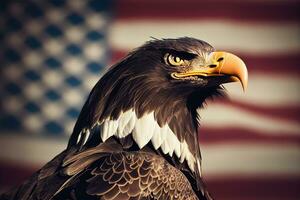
(173, 60)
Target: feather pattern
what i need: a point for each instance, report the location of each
(146, 175)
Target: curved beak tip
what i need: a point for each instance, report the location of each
(244, 83)
(242, 75)
(244, 87)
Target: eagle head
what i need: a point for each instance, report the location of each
(186, 63)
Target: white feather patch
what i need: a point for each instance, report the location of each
(165, 147)
(199, 166)
(124, 127)
(86, 136)
(169, 141)
(177, 149)
(173, 142)
(183, 152)
(109, 128)
(163, 134)
(143, 129)
(129, 127)
(156, 138)
(79, 137)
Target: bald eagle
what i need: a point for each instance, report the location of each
(136, 136)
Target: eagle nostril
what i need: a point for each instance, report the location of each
(220, 59)
(212, 65)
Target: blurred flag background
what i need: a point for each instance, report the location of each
(53, 52)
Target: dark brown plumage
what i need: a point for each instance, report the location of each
(136, 136)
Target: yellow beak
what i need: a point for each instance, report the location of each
(219, 64)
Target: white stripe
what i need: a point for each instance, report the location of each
(250, 159)
(221, 116)
(227, 159)
(268, 90)
(262, 38)
(28, 150)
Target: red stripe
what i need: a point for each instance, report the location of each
(269, 64)
(225, 188)
(283, 63)
(195, 9)
(12, 174)
(255, 188)
(285, 113)
(234, 134)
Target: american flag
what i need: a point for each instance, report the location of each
(52, 54)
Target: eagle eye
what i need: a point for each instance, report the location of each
(174, 60)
